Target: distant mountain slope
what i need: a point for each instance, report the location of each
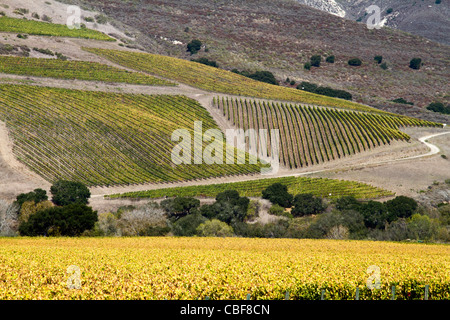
(424, 18)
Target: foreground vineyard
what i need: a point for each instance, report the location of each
(231, 268)
(311, 135)
(326, 188)
(103, 138)
(33, 27)
(80, 70)
(217, 80)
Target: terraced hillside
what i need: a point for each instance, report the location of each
(103, 138)
(8, 24)
(281, 36)
(311, 135)
(327, 188)
(80, 70)
(217, 80)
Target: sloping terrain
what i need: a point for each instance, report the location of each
(315, 135)
(103, 138)
(425, 18)
(216, 80)
(280, 36)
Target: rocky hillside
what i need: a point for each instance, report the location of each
(424, 17)
(280, 36)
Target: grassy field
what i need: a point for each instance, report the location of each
(103, 138)
(327, 188)
(217, 80)
(80, 70)
(219, 268)
(33, 27)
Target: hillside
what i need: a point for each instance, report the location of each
(109, 117)
(103, 138)
(280, 36)
(425, 18)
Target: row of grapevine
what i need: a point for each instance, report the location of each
(80, 70)
(217, 80)
(8, 24)
(102, 138)
(314, 135)
(327, 188)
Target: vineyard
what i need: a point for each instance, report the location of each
(219, 268)
(41, 28)
(314, 135)
(217, 80)
(103, 138)
(326, 188)
(80, 70)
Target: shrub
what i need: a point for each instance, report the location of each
(35, 15)
(378, 59)
(308, 86)
(101, 19)
(307, 204)
(415, 63)
(338, 233)
(355, 62)
(187, 226)
(330, 59)
(232, 197)
(28, 208)
(384, 66)
(389, 11)
(207, 62)
(277, 193)
(36, 196)
(44, 51)
(292, 83)
(316, 60)
(69, 192)
(229, 207)
(107, 225)
(347, 203)
(398, 230)
(438, 107)
(307, 66)
(21, 11)
(214, 228)
(46, 18)
(375, 214)
(194, 46)
(22, 36)
(148, 220)
(402, 101)
(70, 220)
(276, 210)
(88, 19)
(326, 91)
(422, 227)
(264, 76)
(253, 210)
(437, 2)
(180, 206)
(401, 207)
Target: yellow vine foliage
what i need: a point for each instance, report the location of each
(219, 268)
